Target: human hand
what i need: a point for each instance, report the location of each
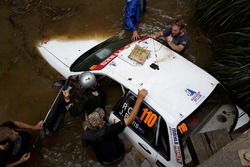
(135, 36)
(169, 38)
(39, 125)
(25, 157)
(65, 93)
(157, 35)
(153, 36)
(6, 146)
(142, 94)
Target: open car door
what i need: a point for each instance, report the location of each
(55, 115)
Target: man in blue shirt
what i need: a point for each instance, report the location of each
(133, 12)
(175, 36)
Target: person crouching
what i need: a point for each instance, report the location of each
(103, 137)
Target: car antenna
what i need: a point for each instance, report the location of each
(156, 64)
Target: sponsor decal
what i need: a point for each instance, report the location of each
(183, 128)
(136, 124)
(178, 156)
(175, 136)
(105, 62)
(190, 92)
(108, 60)
(92, 67)
(114, 55)
(195, 96)
(176, 146)
(148, 117)
(171, 136)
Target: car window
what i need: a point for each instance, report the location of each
(103, 53)
(163, 140)
(98, 53)
(146, 122)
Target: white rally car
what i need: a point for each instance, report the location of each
(183, 102)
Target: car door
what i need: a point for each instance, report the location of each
(55, 115)
(142, 132)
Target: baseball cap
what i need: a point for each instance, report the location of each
(95, 118)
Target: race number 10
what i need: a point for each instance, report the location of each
(148, 117)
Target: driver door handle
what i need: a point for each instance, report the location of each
(144, 148)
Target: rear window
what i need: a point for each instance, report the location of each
(98, 53)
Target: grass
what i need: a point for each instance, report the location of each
(227, 23)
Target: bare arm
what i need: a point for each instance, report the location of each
(141, 95)
(14, 163)
(24, 158)
(157, 35)
(38, 126)
(175, 47)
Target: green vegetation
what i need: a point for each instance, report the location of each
(227, 24)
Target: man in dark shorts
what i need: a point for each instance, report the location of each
(104, 138)
(15, 142)
(175, 36)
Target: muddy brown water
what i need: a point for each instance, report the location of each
(26, 79)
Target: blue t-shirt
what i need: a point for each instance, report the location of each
(178, 40)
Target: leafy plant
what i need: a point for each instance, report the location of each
(222, 15)
(227, 23)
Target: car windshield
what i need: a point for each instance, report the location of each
(98, 53)
(215, 117)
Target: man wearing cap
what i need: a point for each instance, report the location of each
(104, 138)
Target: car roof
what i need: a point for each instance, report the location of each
(175, 90)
